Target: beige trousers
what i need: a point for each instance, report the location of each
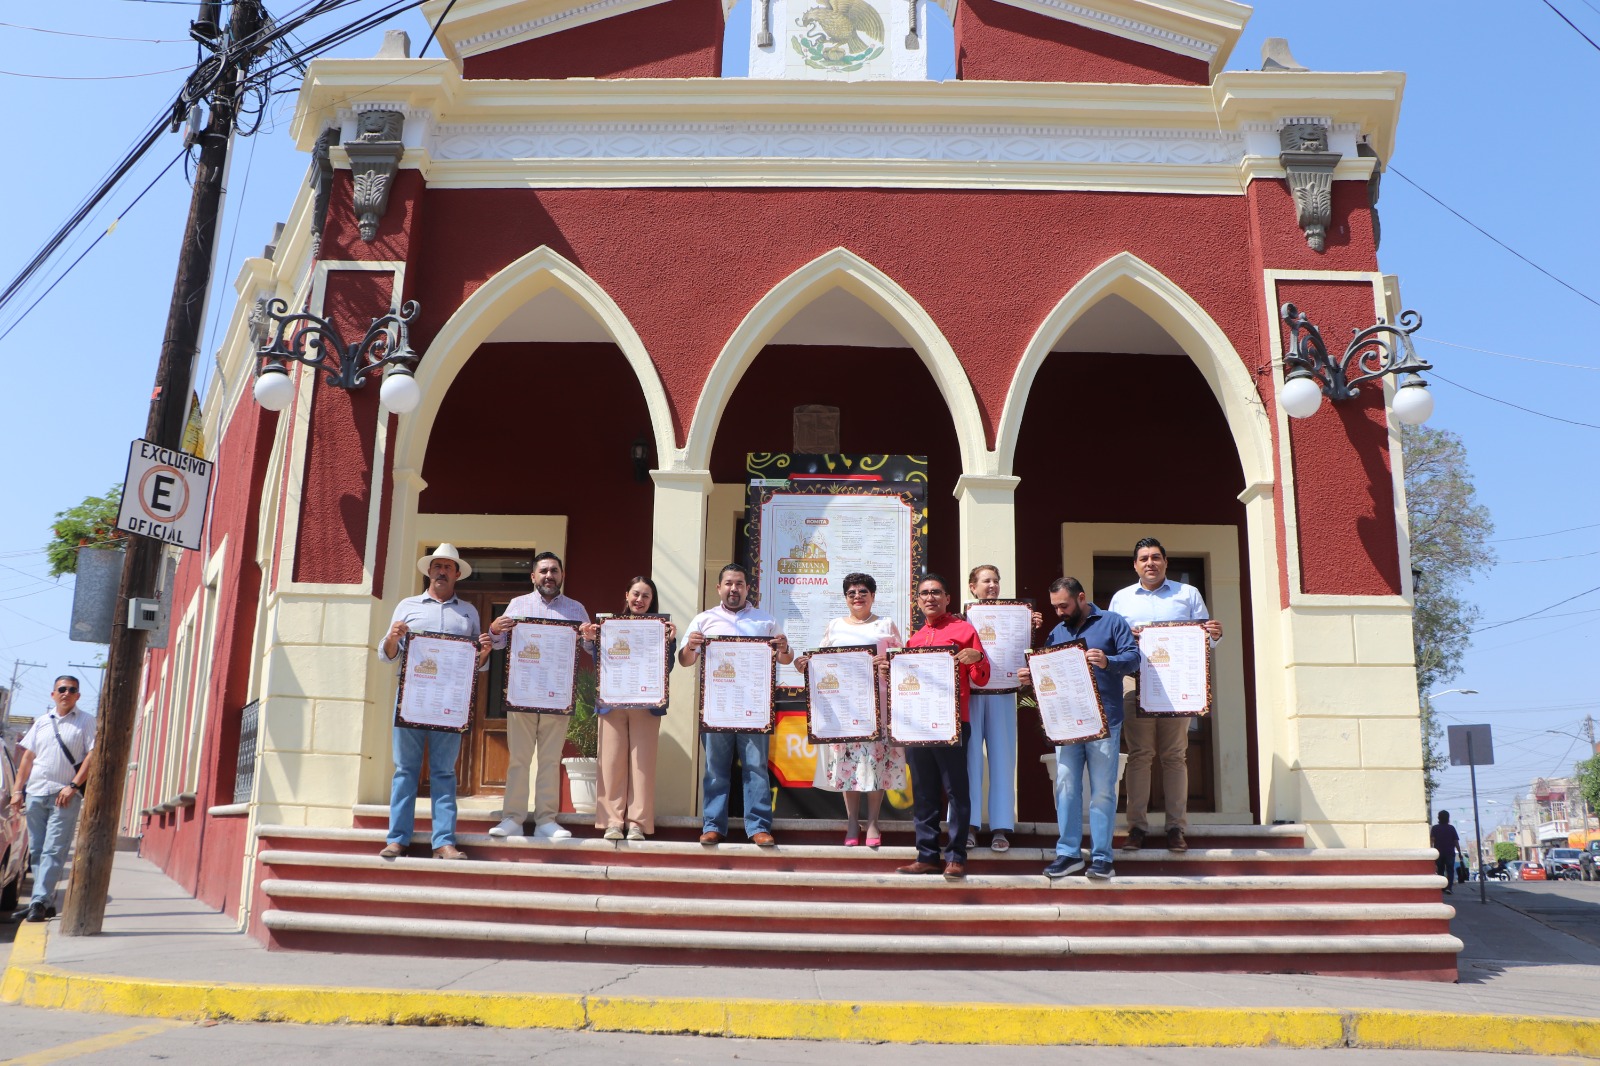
(1152, 740)
(627, 786)
(535, 741)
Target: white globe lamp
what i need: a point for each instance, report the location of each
(1413, 403)
(273, 389)
(400, 392)
(1301, 396)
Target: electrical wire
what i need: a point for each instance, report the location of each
(1574, 25)
(1492, 237)
(1435, 375)
(1532, 614)
(1541, 536)
(97, 36)
(1508, 355)
(90, 77)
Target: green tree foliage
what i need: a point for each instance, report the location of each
(91, 524)
(1505, 851)
(1589, 781)
(1450, 533)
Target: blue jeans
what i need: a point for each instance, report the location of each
(717, 781)
(1101, 758)
(442, 751)
(50, 830)
(994, 737)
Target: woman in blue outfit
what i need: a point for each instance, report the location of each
(994, 739)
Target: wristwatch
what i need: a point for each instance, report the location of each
(77, 787)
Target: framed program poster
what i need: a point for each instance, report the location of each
(737, 684)
(632, 653)
(1006, 629)
(842, 689)
(542, 665)
(438, 679)
(924, 696)
(1175, 669)
(1069, 702)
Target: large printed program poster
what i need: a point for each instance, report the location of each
(808, 537)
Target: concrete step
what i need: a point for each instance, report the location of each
(1418, 956)
(831, 831)
(1067, 916)
(740, 882)
(832, 856)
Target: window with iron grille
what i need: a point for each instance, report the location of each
(244, 781)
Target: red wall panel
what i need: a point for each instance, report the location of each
(677, 39)
(998, 42)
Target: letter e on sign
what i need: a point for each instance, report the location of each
(165, 495)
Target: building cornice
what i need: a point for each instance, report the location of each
(1201, 139)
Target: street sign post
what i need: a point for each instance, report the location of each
(165, 495)
(1472, 746)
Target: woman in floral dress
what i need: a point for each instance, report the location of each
(864, 767)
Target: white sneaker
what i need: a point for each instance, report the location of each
(635, 833)
(551, 831)
(508, 827)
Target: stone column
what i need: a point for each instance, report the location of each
(677, 563)
(988, 528)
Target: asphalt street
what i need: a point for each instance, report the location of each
(1572, 907)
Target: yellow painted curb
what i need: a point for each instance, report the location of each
(29, 981)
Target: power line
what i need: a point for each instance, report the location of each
(1574, 25)
(1492, 237)
(97, 36)
(1531, 614)
(1540, 536)
(90, 77)
(1508, 355)
(1525, 410)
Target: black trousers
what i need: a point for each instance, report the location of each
(935, 772)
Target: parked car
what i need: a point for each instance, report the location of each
(13, 832)
(1588, 859)
(1531, 871)
(1563, 864)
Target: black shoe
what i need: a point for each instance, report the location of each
(36, 912)
(1101, 870)
(1064, 866)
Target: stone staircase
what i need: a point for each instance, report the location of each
(1243, 899)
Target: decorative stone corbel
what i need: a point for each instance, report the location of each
(764, 37)
(1308, 162)
(320, 178)
(374, 158)
(260, 324)
(912, 41)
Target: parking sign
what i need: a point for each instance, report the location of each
(165, 495)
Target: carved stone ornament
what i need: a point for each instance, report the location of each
(1309, 164)
(320, 178)
(260, 324)
(764, 37)
(374, 158)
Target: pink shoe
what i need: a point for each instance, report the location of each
(873, 842)
(852, 842)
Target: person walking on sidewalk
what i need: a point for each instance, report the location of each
(536, 740)
(55, 765)
(1113, 655)
(940, 770)
(734, 616)
(1162, 739)
(1447, 842)
(438, 610)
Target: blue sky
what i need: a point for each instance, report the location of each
(1488, 126)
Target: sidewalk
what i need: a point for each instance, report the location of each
(1524, 987)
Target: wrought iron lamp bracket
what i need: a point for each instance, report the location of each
(309, 339)
(1371, 353)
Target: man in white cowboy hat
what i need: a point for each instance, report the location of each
(438, 610)
(535, 740)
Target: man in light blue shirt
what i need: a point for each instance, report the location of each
(1155, 599)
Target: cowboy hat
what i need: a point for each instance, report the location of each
(446, 551)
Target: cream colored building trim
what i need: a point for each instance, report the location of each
(491, 304)
(678, 550)
(988, 526)
(838, 269)
(487, 25)
(1219, 546)
(430, 92)
(1128, 276)
(1291, 520)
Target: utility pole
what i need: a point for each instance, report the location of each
(169, 410)
(16, 672)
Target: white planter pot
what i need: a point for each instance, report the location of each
(582, 777)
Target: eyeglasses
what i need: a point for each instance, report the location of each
(935, 593)
(64, 688)
(855, 593)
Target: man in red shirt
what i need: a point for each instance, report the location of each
(939, 770)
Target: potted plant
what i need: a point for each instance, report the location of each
(583, 736)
